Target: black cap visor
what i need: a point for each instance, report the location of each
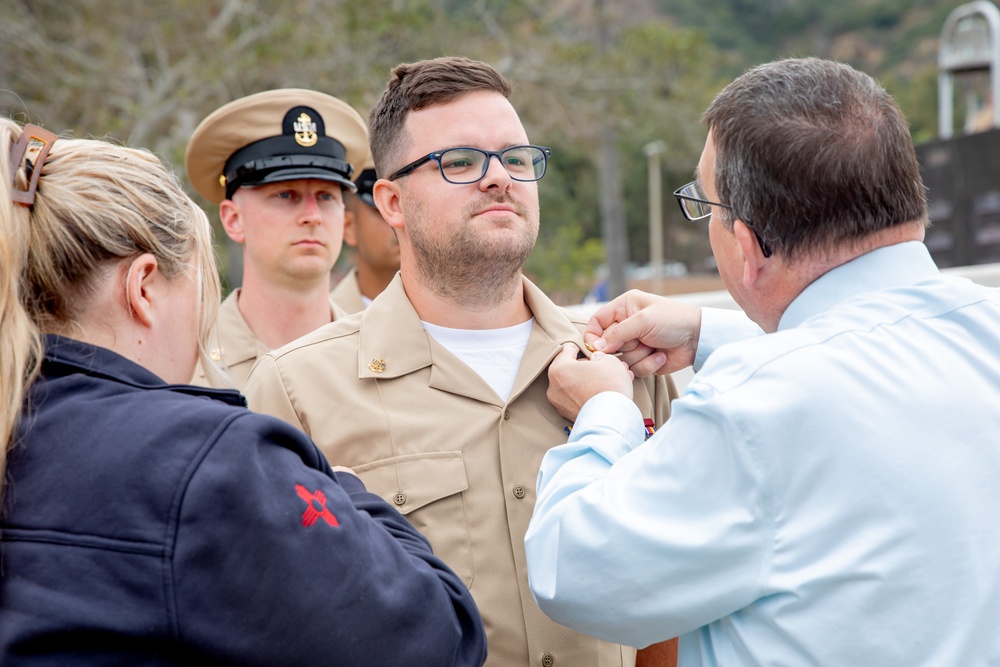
(290, 168)
(274, 160)
(300, 173)
(365, 182)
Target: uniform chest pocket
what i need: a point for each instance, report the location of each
(429, 490)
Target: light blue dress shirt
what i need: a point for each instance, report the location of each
(828, 494)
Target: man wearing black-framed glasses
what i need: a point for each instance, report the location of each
(695, 206)
(435, 394)
(823, 493)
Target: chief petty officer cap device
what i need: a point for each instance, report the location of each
(273, 136)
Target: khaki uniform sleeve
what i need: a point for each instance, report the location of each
(664, 391)
(653, 396)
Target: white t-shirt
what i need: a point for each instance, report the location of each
(495, 354)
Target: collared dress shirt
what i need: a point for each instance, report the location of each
(239, 348)
(823, 495)
(427, 433)
(347, 293)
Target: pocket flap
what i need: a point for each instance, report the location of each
(412, 481)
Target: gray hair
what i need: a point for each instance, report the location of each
(812, 153)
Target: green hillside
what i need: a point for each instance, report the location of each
(597, 80)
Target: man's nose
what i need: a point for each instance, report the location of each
(496, 175)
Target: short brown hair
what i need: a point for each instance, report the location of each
(418, 85)
(811, 154)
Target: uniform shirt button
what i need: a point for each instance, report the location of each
(399, 498)
(548, 660)
(519, 491)
(506, 415)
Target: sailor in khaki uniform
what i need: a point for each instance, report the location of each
(436, 393)
(277, 163)
(374, 244)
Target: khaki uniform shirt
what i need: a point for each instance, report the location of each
(238, 347)
(347, 294)
(427, 433)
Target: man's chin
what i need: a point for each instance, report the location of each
(310, 268)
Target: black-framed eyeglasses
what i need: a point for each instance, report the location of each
(694, 206)
(463, 165)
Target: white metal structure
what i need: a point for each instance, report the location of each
(970, 42)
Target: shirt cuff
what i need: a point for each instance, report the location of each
(610, 411)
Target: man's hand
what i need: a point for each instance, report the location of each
(573, 381)
(652, 334)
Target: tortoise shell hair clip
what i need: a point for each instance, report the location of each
(31, 150)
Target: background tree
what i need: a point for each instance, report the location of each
(147, 73)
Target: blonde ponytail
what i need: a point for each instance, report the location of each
(96, 204)
(20, 346)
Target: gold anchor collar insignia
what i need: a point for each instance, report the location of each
(377, 366)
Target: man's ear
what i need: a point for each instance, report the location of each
(350, 228)
(753, 256)
(387, 200)
(229, 216)
(143, 288)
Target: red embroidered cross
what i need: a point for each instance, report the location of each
(316, 507)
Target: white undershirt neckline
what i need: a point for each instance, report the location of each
(495, 354)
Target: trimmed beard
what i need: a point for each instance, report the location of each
(471, 270)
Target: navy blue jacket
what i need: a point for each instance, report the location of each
(155, 524)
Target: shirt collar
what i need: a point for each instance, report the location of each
(391, 332)
(66, 356)
(889, 266)
(239, 344)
